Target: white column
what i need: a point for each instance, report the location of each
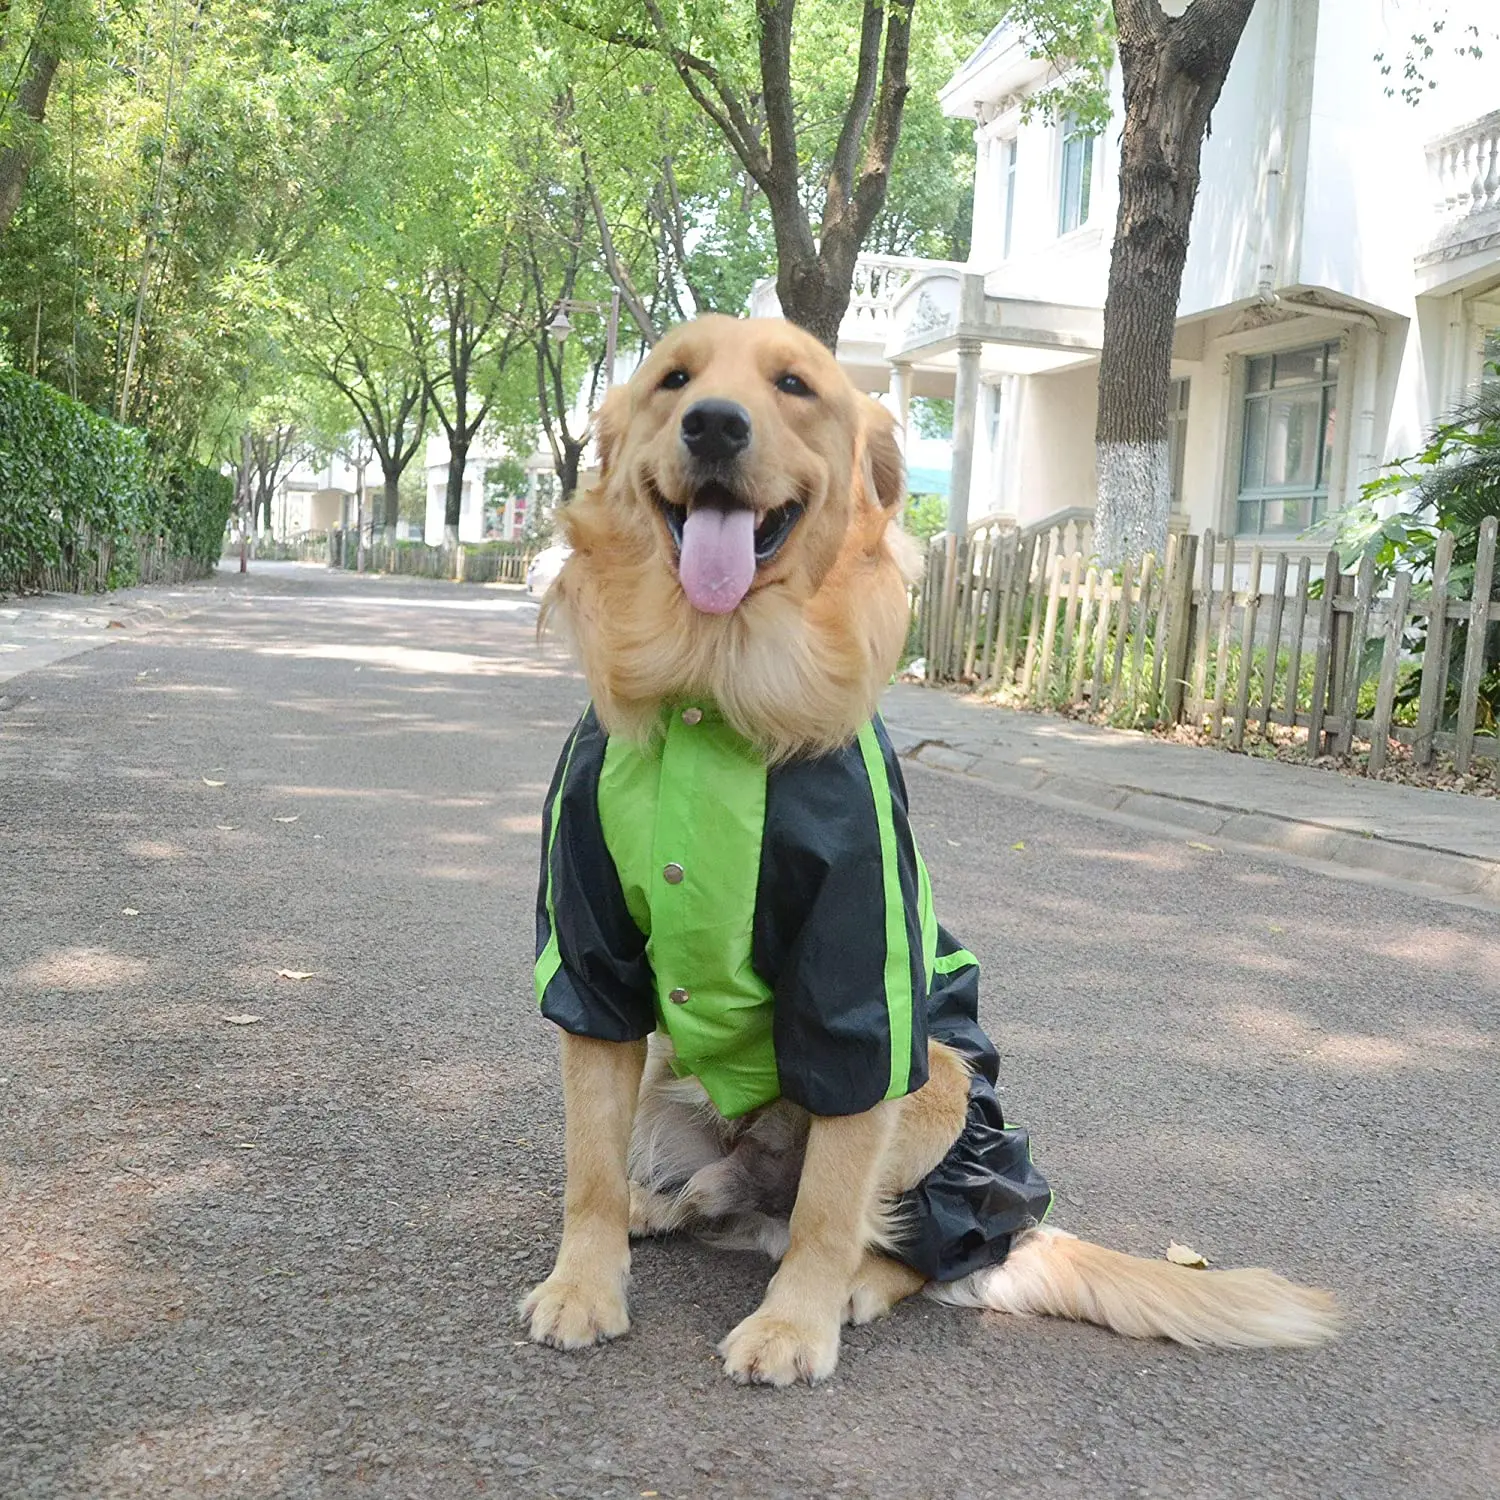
(965, 398)
(901, 393)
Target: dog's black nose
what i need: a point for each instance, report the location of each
(715, 430)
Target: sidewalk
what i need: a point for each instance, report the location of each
(1423, 837)
(39, 629)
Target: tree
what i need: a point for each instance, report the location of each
(362, 354)
(267, 451)
(30, 48)
(1174, 69)
(463, 339)
(756, 109)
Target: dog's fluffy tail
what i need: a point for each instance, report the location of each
(1049, 1271)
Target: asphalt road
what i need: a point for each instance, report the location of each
(282, 1258)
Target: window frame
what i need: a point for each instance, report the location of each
(1009, 149)
(1319, 495)
(1179, 402)
(1072, 136)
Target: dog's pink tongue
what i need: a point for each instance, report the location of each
(718, 558)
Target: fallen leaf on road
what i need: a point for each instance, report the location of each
(115, 625)
(129, 911)
(291, 819)
(1204, 848)
(1185, 1255)
(240, 1020)
(294, 973)
(1275, 928)
(207, 782)
(1018, 846)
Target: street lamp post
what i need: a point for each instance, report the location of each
(561, 326)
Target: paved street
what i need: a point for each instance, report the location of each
(281, 1257)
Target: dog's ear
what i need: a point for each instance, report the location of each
(884, 466)
(610, 422)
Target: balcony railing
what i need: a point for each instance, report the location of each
(1464, 170)
(878, 282)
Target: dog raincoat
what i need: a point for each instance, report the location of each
(777, 923)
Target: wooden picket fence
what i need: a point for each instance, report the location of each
(1201, 637)
(488, 562)
(88, 558)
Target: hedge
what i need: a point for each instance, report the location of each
(84, 504)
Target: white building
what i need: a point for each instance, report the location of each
(314, 495)
(1342, 278)
(486, 515)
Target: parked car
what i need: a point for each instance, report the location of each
(545, 566)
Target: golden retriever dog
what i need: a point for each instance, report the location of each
(766, 1036)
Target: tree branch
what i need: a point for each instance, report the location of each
(1142, 22)
(617, 271)
(728, 114)
(856, 117)
(875, 173)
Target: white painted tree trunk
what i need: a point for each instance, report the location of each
(1135, 496)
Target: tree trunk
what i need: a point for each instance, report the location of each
(1174, 69)
(15, 161)
(392, 500)
(567, 471)
(453, 500)
(812, 299)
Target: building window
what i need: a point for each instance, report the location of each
(1177, 420)
(1286, 453)
(1008, 183)
(1077, 176)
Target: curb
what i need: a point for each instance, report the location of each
(1437, 870)
(91, 621)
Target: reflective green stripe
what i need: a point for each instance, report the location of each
(550, 959)
(960, 959)
(898, 996)
(929, 920)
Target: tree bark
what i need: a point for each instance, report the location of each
(392, 508)
(15, 161)
(453, 496)
(1174, 69)
(567, 470)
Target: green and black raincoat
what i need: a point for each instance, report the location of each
(777, 923)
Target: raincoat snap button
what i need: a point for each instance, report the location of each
(672, 874)
(692, 716)
(679, 996)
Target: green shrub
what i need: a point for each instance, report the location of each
(194, 506)
(71, 482)
(925, 516)
(78, 491)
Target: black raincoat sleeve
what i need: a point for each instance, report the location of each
(592, 975)
(838, 882)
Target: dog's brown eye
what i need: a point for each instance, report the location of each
(674, 380)
(793, 385)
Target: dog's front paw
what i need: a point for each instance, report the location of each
(570, 1314)
(771, 1349)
